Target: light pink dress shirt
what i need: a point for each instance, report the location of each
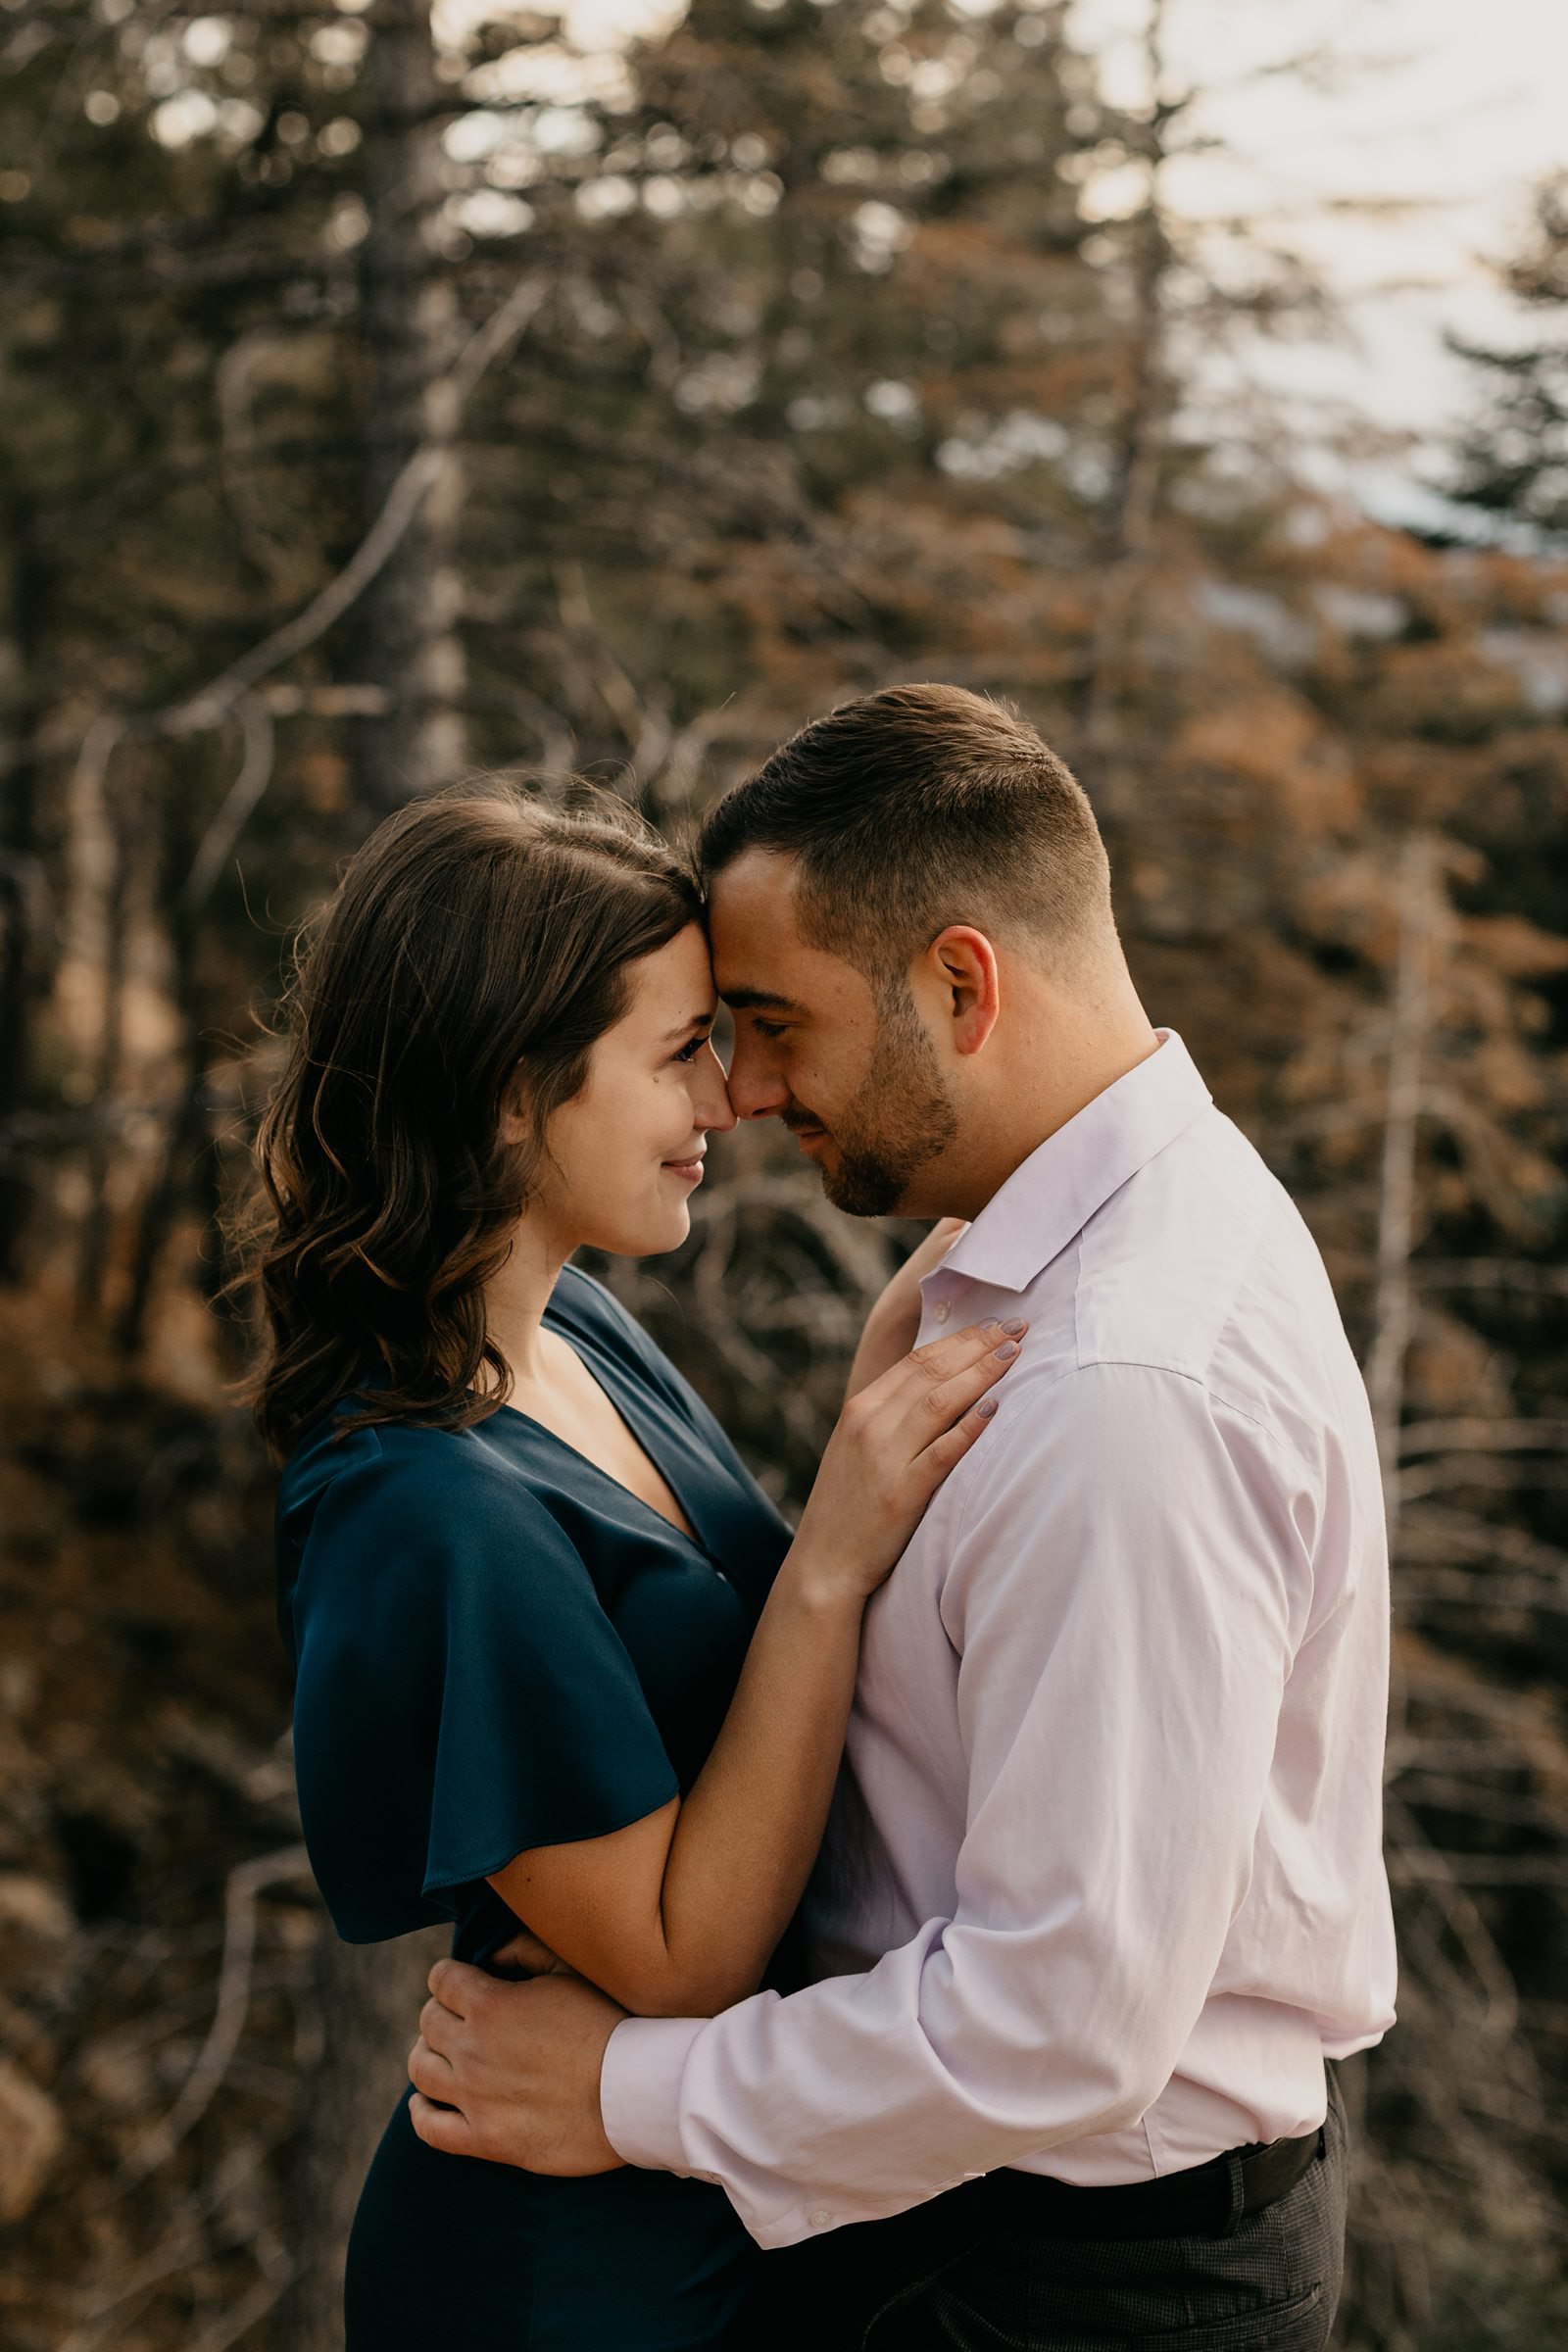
(1103, 1879)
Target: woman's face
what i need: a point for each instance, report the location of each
(625, 1157)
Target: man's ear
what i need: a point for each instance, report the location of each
(963, 963)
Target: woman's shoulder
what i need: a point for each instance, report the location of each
(422, 1537)
(405, 1476)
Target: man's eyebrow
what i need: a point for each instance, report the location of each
(757, 1000)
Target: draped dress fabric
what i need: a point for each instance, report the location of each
(499, 1647)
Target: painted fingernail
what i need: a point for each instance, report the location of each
(1017, 1328)
(1006, 1351)
(986, 1407)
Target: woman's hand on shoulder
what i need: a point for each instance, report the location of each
(896, 1441)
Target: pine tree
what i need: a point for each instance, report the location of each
(799, 351)
(1512, 460)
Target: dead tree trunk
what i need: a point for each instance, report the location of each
(1394, 1301)
(21, 919)
(406, 646)
(1393, 1298)
(1133, 505)
(408, 642)
(106, 829)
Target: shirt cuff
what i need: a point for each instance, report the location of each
(639, 2090)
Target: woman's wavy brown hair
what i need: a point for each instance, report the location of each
(475, 948)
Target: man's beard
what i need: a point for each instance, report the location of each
(900, 1119)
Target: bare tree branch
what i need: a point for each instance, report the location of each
(208, 705)
(255, 774)
(1493, 1274)
(1476, 1435)
(213, 2060)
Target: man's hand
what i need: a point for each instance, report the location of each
(510, 2071)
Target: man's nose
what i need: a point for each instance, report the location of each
(757, 1090)
(715, 1112)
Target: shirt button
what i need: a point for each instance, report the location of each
(819, 2217)
(944, 1310)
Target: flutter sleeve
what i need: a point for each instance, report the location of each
(460, 1693)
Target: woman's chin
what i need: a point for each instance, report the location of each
(664, 1229)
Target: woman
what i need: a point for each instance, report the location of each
(562, 1672)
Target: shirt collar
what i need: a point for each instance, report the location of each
(1049, 1200)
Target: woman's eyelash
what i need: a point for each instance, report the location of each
(692, 1047)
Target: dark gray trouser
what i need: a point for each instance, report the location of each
(919, 2284)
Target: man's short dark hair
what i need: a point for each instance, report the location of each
(918, 808)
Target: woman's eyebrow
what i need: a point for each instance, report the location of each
(698, 1020)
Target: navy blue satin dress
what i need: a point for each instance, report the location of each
(497, 1647)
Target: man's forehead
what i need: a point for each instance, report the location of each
(757, 879)
(750, 914)
(760, 962)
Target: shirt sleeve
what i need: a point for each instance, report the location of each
(1129, 1573)
(460, 1695)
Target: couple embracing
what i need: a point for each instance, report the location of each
(927, 1927)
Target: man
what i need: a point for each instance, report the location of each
(1102, 1889)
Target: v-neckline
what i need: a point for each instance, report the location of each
(689, 1533)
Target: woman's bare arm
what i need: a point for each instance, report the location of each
(678, 1914)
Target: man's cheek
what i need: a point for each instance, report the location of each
(807, 1089)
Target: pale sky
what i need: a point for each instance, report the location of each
(1454, 105)
(1451, 106)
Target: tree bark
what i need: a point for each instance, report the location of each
(407, 645)
(22, 924)
(1393, 1307)
(1133, 505)
(107, 824)
(408, 640)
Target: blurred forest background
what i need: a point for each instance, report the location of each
(380, 398)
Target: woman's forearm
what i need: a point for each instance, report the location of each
(677, 1913)
(748, 1833)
